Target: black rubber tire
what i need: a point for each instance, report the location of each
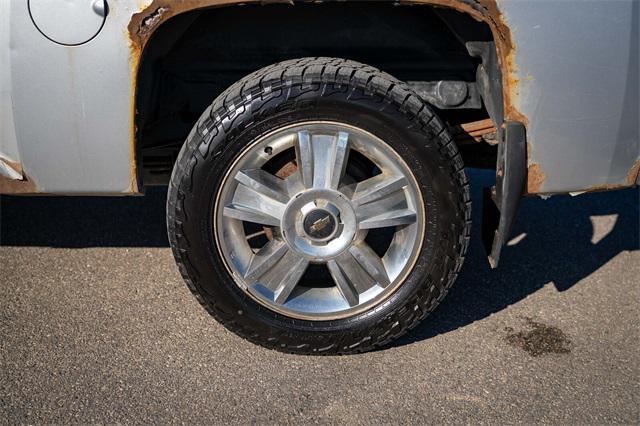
(312, 89)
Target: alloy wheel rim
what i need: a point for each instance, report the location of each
(319, 219)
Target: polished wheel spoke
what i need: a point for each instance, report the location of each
(389, 218)
(254, 202)
(395, 201)
(381, 202)
(371, 262)
(264, 183)
(304, 157)
(249, 214)
(322, 159)
(356, 271)
(285, 275)
(377, 187)
(265, 259)
(356, 277)
(347, 289)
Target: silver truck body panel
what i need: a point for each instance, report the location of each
(8, 140)
(53, 22)
(72, 106)
(67, 112)
(578, 78)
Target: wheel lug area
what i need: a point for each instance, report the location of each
(319, 224)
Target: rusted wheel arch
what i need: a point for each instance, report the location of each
(144, 24)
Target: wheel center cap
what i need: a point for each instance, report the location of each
(319, 224)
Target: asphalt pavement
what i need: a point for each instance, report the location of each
(96, 326)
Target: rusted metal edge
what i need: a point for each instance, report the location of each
(144, 23)
(631, 180)
(17, 182)
(536, 178)
(15, 187)
(634, 173)
(134, 186)
(473, 132)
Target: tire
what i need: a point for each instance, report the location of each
(293, 93)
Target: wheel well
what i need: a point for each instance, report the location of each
(192, 57)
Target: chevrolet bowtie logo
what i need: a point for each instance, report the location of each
(320, 224)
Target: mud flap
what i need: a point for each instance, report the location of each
(500, 202)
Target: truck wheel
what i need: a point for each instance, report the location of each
(320, 207)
